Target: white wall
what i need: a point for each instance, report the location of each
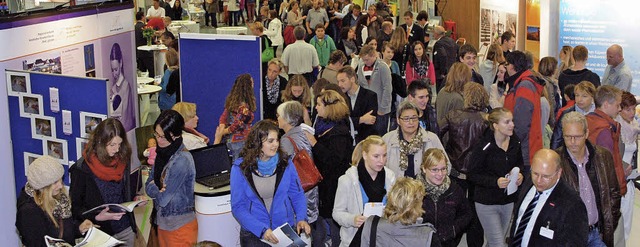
(549, 28)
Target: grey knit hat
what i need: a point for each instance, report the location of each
(44, 171)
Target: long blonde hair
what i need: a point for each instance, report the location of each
(45, 199)
(365, 146)
(404, 201)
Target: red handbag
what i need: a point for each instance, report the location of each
(307, 170)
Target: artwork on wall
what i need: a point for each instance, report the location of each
(30, 105)
(56, 148)
(43, 127)
(28, 159)
(18, 83)
(89, 122)
(80, 144)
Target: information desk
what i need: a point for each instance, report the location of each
(215, 221)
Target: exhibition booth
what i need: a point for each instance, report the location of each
(60, 80)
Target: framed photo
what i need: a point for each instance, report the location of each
(18, 83)
(28, 159)
(80, 144)
(43, 127)
(89, 122)
(56, 148)
(31, 105)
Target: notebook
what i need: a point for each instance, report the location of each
(213, 165)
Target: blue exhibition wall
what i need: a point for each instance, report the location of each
(32, 132)
(599, 24)
(209, 65)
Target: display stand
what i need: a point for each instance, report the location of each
(213, 211)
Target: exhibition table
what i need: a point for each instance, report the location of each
(145, 96)
(231, 30)
(178, 27)
(144, 80)
(213, 211)
(158, 57)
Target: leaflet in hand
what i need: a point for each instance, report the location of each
(93, 238)
(287, 237)
(116, 208)
(373, 208)
(512, 187)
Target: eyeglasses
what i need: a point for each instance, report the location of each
(535, 175)
(158, 136)
(573, 138)
(436, 171)
(409, 119)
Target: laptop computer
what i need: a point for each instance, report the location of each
(213, 165)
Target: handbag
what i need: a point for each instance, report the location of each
(307, 170)
(268, 53)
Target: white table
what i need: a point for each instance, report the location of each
(231, 30)
(144, 80)
(177, 27)
(158, 57)
(145, 93)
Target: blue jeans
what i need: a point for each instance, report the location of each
(594, 239)
(249, 239)
(234, 17)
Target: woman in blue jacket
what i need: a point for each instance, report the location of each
(265, 189)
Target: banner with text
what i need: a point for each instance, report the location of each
(598, 24)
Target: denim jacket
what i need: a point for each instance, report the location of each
(289, 204)
(177, 202)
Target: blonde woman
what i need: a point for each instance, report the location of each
(400, 222)
(367, 180)
(44, 207)
(192, 139)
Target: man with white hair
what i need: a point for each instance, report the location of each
(617, 73)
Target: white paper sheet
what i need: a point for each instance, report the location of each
(512, 187)
(373, 208)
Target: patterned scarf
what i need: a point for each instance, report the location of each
(434, 191)
(273, 90)
(62, 210)
(408, 148)
(421, 68)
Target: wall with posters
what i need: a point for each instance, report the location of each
(599, 24)
(77, 42)
(496, 17)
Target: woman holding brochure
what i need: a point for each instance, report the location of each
(495, 156)
(101, 177)
(367, 174)
(171, 183)
(44, 208)
(265, 189)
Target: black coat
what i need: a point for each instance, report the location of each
(491, 163)
(332, 156)
(33, 224)
(268, 109)
(85, 195)
(563, 213)
(366, 101)
(450, 214)
(445, 53)
(417, 33)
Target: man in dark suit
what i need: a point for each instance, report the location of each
(445, 51)
(362, 102)
(414, 32)
(144, 59)
(548, 212)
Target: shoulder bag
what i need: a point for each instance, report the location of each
(307, 170)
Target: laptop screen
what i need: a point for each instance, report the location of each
(211, 160)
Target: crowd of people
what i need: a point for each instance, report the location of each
(448, 146)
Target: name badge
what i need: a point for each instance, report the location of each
(546, 232)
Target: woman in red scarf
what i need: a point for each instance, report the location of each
(102, 176)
